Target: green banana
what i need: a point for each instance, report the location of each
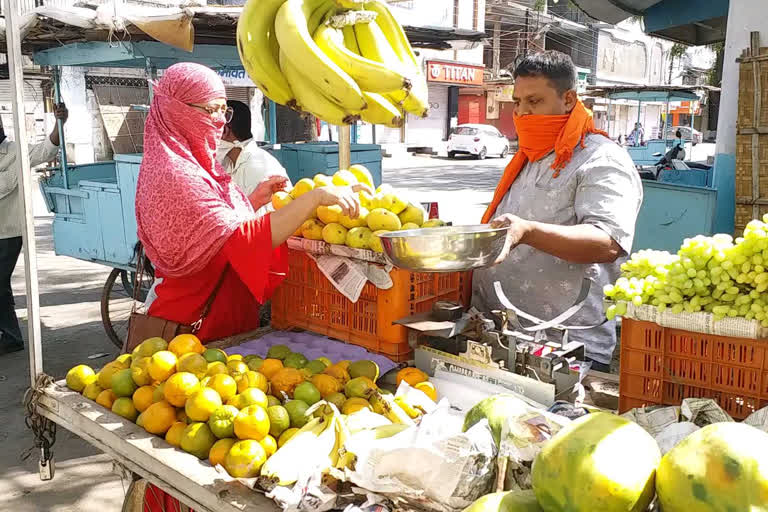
(349, 39)
(254, 29)
(296, 41)
(370, 75)
(381, 111)
(312, 100)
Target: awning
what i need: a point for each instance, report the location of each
(651, 93)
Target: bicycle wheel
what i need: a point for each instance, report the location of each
(116, 303)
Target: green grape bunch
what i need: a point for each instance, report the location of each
(715, 274)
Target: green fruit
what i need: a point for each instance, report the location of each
(360, 387)
(214, 354)
(279, 420)
(315, 367)
(254, 362)
(599, 462)
(496, 409)
(722, 467)
(364, 368)
(295, 360)
(124, 407)
(273, 400)
(222, 421)
(510, 501)
(197, 439)
(336, 399)
(307, 392)
(278, 352)
(297, 411)
(122, 383)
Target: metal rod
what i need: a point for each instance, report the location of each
(608, 114)
(13, 39)
(272, 122)
(60, 128)
(345, 147)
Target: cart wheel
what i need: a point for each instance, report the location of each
(116, 302)
(129, 278)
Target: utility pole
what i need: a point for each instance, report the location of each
(496, 47)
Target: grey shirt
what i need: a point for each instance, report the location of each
(599, 186)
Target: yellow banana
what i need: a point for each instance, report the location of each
(374, 46)
(310, 99)
(387, 407)
(350, 4)
(349, 39)
(254, 29)
(318, 16)
(381, 111)
(369, 75)
(296, 41)
(394, 32)
(417, 100)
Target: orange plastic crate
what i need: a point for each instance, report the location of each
(664, 366)
(307, 300)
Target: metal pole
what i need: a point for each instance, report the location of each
(608, 114)
(345, 153)
(13, 39)
(272, 122)
(60, 128)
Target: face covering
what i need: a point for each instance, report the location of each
(222, 150)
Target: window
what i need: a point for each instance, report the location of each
(466, 130)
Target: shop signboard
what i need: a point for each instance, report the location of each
(454, 73)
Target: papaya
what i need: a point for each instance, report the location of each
(600, 462)
(723, 466)
(496, 409)
(509, 501)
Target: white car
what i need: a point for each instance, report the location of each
(689, 134)
(480, 140)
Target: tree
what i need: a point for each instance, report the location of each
(676, 52)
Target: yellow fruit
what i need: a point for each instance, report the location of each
(285, 381)
(124, 407)
(162, 365)
(302, 186)
(353, 405)
(143, 398)
(198, 440)
(251, 379)
(398, 204)
(375, 241)
(179, 387)
(433, 223)
(412, 214)
(251, 396)
(106, 398)
(140, 420)
(270, 367)
(279, 420)
(365, 199)
(201, 405)
(335, 234)
(181, 415)
(236, 367)
(338, 372)
(321, 180)
(345, 363)
(219, 451)
(92, 391)
(193, 363)
(125, 359)
(159, 394)
(286, 436)
(245, 459)
(105, 375)
(325, 360)
(216, 368)
(269, 444)
(184, 344)
(326, 384)
(204, 382)
(329, 214)
(252, 423)
(358, 222)
(280, 199)
(380, 218)
(362, 174)
(359, 238)
(409, 225)
(235, 357)
(344, 178)
(150, 346)
(173, 436)
(312, 229)
(224, 385)
(159, 417)
(412, 376)
(384, 201)
(79, 377)
(122, 383)
(140, 371)
(428, 389)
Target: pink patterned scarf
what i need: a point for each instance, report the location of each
(186, 205)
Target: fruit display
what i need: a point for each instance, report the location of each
(714, 274)
(338, 60)
(383, 212)
(241, 411)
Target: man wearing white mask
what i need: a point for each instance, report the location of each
(245, 161)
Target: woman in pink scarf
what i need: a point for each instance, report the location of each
(195, 224)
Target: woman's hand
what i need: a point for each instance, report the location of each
(263, 193)
(345, 197)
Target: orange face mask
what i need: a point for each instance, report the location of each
(537, 137)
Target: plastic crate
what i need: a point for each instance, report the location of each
(306, 299)
(662, 366)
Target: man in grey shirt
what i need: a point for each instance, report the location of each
(568, 220)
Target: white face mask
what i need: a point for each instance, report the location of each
(221, 153)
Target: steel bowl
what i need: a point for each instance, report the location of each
(444, 249)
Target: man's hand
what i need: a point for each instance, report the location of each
(59, 112)
(263, 193)
(518, 228)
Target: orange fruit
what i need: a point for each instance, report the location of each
(104, 377)
(122, 383)
(344, 364)
(159, 394)
(200, 405)
(216, 368)
(159, 417)
(326, 384)
(251, 396)
(219, 451)
(412, 376)
(428, 389)
(184, 344)
(245, 459)
(338, 372)
(285, 381)
(224, 385)
(106, 398)
(179, 387)
(198, 440)
(269, 444)
(236, 367)
(173, 436)
(270, 367)
(79, 377)
(92, 391)
(251, 379)
(142, 398)
(252, 423)
(193, 363)
(140, 371)
(353, 405)
(162, 365)
(124, 407)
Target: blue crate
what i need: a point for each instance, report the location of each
(307, 159)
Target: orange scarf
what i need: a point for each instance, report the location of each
(537, 136)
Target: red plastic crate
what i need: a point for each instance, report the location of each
(664, 366)
(307, 300)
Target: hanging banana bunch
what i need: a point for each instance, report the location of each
(339, 60)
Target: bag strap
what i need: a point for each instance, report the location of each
(209, 302)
